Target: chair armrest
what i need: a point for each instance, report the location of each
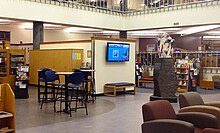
(210, 130)
(204, 109)
(200, 120)
(215, 104)
(167, 126)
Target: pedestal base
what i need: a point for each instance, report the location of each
(170, 99)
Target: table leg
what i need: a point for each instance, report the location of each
(66, 93)
(87, 87)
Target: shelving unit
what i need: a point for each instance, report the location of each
(10, 59)
(3, 67)
(7, 120)
(182, 73)
(17, 58)
(21, 82)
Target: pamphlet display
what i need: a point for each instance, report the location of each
(21, 82)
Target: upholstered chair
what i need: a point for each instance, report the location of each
(160, 117)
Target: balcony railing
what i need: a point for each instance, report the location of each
(129, 7)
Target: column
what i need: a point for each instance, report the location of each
(38, 34)
(123, 34)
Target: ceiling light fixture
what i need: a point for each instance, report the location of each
(110, 32)
(197, 29)
(29, 26)
(78, 29)
(213, 32)
(170, 29)
(211, 37)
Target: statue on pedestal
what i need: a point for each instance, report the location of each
(165, 46)
(165, 83)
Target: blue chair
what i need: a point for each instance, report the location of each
(50, 78)
(77, 92)
(41, 78)
(88, 79)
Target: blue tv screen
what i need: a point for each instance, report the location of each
(117, 52)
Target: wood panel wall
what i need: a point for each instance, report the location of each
(58, 60)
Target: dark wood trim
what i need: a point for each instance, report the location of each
(23, 44)
(114, 39)
(58, 42)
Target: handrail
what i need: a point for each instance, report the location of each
(150, 6)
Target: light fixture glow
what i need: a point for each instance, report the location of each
(78, 29)
(29, 26)
(211, 37)
(4, 20)
(170, 29)
(198, 29)
(213, 32)
(146, 32)
(110, 32)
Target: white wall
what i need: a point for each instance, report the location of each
(111, 72)
(33, 11)
(190, 16)
(26, 10)
(60, 35)
(18, 34)
(26, 36)
(70, 45)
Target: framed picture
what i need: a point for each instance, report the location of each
(89, 53)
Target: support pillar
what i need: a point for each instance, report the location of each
(123, 34)
(38, 34)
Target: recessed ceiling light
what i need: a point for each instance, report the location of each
(211, 37)
(146, 32)
(213, 32)
(78, 29)
(170, 29)
(4, 20)
(29, 26)
(110, 32)
(197, 29)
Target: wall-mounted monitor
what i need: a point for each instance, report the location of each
(117, 52)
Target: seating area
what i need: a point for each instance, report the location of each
(74, 93)
(160, 117)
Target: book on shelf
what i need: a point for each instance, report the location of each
(4, 114)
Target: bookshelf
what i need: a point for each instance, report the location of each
(7, 120)
(182, 75)
(10, 59)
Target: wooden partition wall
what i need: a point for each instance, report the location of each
(64, 60)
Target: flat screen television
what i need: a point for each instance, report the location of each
(117, 52)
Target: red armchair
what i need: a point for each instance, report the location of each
(160, 117)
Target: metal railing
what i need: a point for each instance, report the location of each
(129, 7)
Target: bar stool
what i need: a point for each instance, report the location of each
(89, 79)
(50, 78)
(41, 78)
(77, 92)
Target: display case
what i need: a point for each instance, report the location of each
(207, 76)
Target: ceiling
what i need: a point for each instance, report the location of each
(207, 31)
